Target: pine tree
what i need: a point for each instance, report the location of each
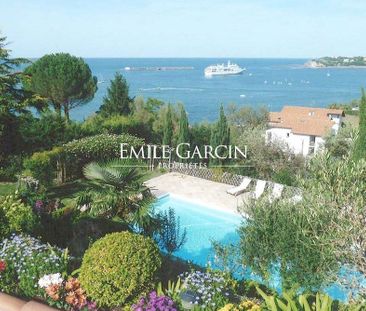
(117, 101)
(220, 135)
(168, 127)
(183, 134)
(360, 144)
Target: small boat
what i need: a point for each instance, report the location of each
(223, 70)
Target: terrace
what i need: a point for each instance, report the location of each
(196, 190)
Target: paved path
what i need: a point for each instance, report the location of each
(197, 190)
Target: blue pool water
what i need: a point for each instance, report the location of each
(204, 225)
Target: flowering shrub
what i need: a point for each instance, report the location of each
(27, 260)
(66, 295)
(118, 268)
(155, 303)
(211, 288)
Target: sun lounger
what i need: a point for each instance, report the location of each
(241, 188)
(259, 188)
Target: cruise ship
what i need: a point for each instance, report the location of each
(222, 69)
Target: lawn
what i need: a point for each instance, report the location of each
(7, 188)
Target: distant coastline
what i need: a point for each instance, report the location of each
(337, 62)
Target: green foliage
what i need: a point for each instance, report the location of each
(294, 241)
(170, 237)
(14, 102)
(10, 168)
(42, 165)
(119, 268)
(268, 161)
(301, 303)
(43, 132)
(27, 260)
(115, 190)
(64, 80)
(117, 124)
(341, 145)
(172, 290)
(101, 147)
(18, 217)
(168, 129)
(117, 101)
(183, 132)
(220, 135)
(359, 151)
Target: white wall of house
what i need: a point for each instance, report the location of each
(298, 144)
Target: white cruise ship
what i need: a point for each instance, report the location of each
(222, 69)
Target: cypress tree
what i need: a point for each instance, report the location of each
(220, 135)
(117, 101)
(360, 144)
(168, 127)
(183, 135)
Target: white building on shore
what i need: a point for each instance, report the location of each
(302, 129)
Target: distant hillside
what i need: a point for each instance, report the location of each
(358, 61)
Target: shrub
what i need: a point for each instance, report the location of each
(10, 168)
(118, 268)
(27, 260)
(95, 148)
(42, 165)
(18, 216)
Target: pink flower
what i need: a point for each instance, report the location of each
(2, 265)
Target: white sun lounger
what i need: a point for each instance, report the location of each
(259, 188)
(241, 188)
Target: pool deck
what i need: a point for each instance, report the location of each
(196, 190)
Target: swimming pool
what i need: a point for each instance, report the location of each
(205, 224)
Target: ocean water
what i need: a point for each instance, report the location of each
(267, 82)
(204, 225)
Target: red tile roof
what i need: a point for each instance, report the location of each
(304, 120)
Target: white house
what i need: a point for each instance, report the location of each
(302, 129)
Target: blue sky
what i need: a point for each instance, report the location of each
(185, 28)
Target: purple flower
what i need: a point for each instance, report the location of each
(154, 303)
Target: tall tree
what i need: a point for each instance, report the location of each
(183, 134)
(65, 81)
(220, 135)
(168, 127)
(117, 100)
(360, 144)
(13, 100)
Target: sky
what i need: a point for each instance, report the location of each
(185, 28)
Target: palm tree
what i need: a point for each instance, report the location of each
(116, 190)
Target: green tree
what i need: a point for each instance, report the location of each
(307, 242)
(115, 190)
(360, 144)
(14, 101)
(117, 100)
(183, 134)
(65, 81)
(168, 127)
(220, 135)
